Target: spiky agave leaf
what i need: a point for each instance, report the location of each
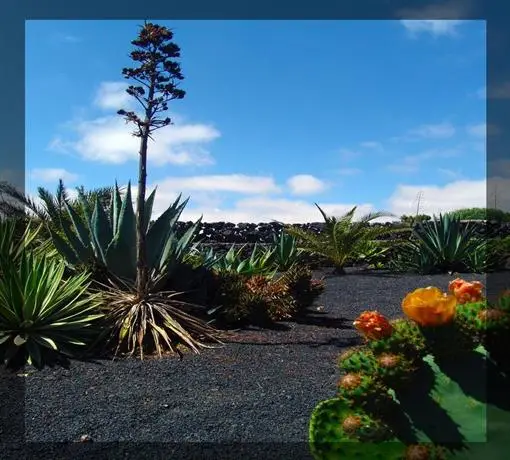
(159, 317)
(447, 241)
(40, 310)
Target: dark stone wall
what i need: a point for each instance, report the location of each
(213, 233)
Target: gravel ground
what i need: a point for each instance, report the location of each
(261, 388)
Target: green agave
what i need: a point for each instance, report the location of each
(444, 244)
(42, 311)
(19, 235)
(107, 236)
(260, 262)
(286, 252)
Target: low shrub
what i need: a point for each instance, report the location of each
(261, 300)
(490, 214)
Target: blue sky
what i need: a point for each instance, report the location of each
(278, 115)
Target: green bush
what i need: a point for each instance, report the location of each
(342, 238)
(257, 299)
(481, 214)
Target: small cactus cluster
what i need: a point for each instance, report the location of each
(401, 363)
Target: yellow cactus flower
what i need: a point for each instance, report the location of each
(429, 306)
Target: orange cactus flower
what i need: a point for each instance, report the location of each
(429, 306)
(373, 325)
(466, 291)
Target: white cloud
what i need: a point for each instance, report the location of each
(112, 95)
(109, 140)
(436, 199)
(435, 27)
(52, 175)
(211, 204)
(305, 184)
(235, 183)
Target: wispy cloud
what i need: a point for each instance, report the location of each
(482, 130)
(438, 131)
(348, 154)
(112, 95)
(450, 173)
(443, 130)
(305, 184)
(235, 183)
(434, 27)
(412, 163)
(67, 38)
(52, 175)
(372, 145)
(478, 130)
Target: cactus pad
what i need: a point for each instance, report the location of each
(441, 398)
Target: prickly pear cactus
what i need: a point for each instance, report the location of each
(424, 386)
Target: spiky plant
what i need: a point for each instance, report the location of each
(341, 238)
(18, 235)
(41, 312)
(158, 322)
(52, 208)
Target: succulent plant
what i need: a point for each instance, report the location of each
(434, 404)
(107, 237)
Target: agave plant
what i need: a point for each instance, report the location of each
(159, 321)
(448, 241)
(107, 237)
(41, 312)
(260, 262)
(373, 253)
(445, 244)
(18, 235)
(285, 251)
(201, 257)
(342, 239)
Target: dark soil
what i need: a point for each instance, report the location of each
(260, 388)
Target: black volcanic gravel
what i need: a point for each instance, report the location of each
(261, 388)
